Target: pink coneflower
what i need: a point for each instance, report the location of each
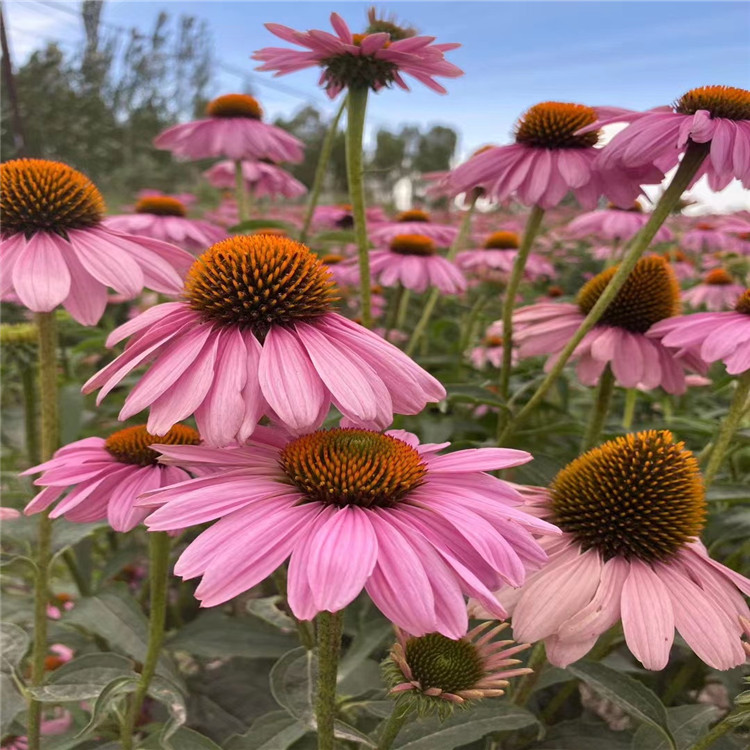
(341, 217)
(718, 291)
(499, 253)
(233, 130)
(164, 217)
(491, 349)
(103, 478)
(548, 160)
(414, 221)
(411, 260)
(55, 249)
(631, 511)
(615, 224)
(60, 724)
(255, 335)
(8, 514)
(683, 267)
(376, 59)
(261, 179)
(717, 115)
(650, 294)
(354, 509)
(433, 673)
(705, 237)
(712, 336)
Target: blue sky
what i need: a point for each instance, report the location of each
(514, 54)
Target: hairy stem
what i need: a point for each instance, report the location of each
(329, 645)
(393, 726)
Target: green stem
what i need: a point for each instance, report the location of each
(239, 186)
(355, 128)
(81, 583)
(393, 726)
(740, 402)
(725, 726)
(47, 327)
(604, 392)
(434, 295)
(689, 166)
(320, 171)
(159, 549)
(631, 398)
(329, 645)
(29, 413)
(533, 223)
(525, 687)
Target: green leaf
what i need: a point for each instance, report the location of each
(343, 237)
(71, 411)
(687, 723)
(214, 634)
(11, 702)
(368, 638)
(463, 727)
(182, 739)
(630, 695)
(83, 678)
(343, 731)
(111, 693)
(583, 735)
(253, 224)
(267, 609)
(273, 731)
(293, 679)
(14, 643)
(169, 695)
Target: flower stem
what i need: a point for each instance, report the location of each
(631, 397)
(47, 327)
(740, 402)
(691, 162)
(329, 644)
(533, 223)
(159, 548)
(525, 686)
(320, 172)
(239, 186)
(355, 128)
(393, 726)
(432, 299)
(726, 725)
(599, 413)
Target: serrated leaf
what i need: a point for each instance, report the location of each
(14, 643)
(630, 695)
(293, 679)
(463, 727)
(273, 731)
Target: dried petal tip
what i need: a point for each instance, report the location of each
(435, 673)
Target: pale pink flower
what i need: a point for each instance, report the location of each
(233, 130)
(631, 512)
(273, 347)
(9, 514)
(712, 336)
(96, 479)
(414, 221)
(706, 237)
(341, 217)
(62, 722)
(718, 291)
(615, 224)
(353, 509)
(499, 253)
(55, 250)
(376, 59)
(491, 349)
(261, 179)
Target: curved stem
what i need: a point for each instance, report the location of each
(47, 327)
(694, 156)
(533, 223)
(604, 392)
(393, 726)
(355, 127)
(740, 402)
(241, 192)
(159, 548)
(432, 299)
(329, 645)
(320, 172)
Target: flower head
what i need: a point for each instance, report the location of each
(718, 291)
(434, 673)
(261, 178)
(55, 249)
(376, 59)
(353, 509)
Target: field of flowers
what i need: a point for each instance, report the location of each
(472, 475)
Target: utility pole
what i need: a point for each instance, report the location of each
(9, 82)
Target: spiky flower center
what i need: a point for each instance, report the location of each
(37, 195)
(412, 244)
(635, 208)
(332, 259)
(675, 256)
(650, 294)
(414, 214)
(358, 71)
(133, 444)
(491, 341)
(235, 105)
(555, 291)
(554, 125)
(353, 467)
(502, 241)
(275, 231)
(720, 101)
(743, 303)
(639, 496)
(160, 205)
(259, 281)
(448, 665)
(389, 26)
(718, 277)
